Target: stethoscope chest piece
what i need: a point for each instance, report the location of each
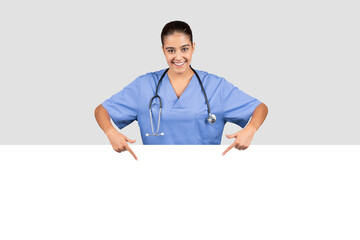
(211, 118)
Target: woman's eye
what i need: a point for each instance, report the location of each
(172, 50)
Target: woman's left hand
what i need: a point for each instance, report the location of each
(243, 139)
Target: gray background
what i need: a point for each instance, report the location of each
(61, 59)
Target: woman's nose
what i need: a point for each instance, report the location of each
(178, 56)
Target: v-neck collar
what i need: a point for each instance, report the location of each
(173, 100)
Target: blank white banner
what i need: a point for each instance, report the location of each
(179, 192)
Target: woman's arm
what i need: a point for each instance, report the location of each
(103, 119)
(117, 140)
(257, 117)
(245, 136)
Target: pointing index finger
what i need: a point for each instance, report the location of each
(230, 147)
(131, 151)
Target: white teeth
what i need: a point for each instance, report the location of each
(179, 64)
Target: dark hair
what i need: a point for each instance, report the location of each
(176, 26)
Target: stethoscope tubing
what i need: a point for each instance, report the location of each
(201, 85)
(211, 118)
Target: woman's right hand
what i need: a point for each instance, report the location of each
(119, 142)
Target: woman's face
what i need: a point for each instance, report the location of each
(178, 51)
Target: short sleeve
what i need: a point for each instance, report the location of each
(237, 106)
(123, 106)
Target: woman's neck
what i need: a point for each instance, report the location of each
(180, 77)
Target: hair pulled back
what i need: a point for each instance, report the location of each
(176, 26)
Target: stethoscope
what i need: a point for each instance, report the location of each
(211, 118)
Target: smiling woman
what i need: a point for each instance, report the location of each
(184, 105)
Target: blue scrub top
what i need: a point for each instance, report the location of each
(183, 120)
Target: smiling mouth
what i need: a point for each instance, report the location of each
(179, 63)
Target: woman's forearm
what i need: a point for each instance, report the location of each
(103, 119)
(257, 117)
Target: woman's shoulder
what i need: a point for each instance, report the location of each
(211, 75)
(154, 75)
(210, 78)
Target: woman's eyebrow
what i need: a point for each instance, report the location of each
(181, 46)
